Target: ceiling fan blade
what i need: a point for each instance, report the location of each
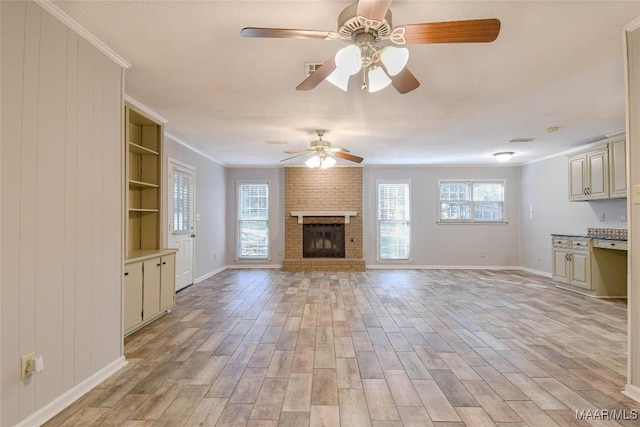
(318, 75)
(347, 156)
(297, 151)
(373, 9)
(471, 31)
(293, 157)
(336, 149)
(284, 33)
(404, 81)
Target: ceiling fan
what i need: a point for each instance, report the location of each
(371, 45)
(323, 152)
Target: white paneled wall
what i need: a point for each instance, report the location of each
(61, 208)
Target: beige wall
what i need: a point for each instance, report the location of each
(335, 189)
(61, 261)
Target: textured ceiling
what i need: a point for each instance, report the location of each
(554, 63)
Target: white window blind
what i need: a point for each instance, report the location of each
(182, 201)
(393, 220)
(253, 220)
(472, 201)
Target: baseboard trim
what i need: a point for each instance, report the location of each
(439, 267)
(534, 271)
(67, 398)
(210, 274)
(258, 266)
(632, 391)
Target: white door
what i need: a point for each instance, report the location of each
(181, 220)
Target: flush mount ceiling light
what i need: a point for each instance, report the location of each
(366, 27)
(503, 156)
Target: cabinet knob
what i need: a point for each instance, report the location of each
(126, 273)
(158, 265)
(193, 235)
(164, 262)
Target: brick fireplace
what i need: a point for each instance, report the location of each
(324, 197)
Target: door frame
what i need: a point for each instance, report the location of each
(169, 208)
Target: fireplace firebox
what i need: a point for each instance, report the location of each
(323, 241)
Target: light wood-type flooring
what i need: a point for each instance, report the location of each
(379, 348)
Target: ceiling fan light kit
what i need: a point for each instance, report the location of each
(320, 162)
(367, 29)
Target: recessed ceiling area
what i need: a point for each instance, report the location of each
(554, 64)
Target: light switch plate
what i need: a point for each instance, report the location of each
(27, 365)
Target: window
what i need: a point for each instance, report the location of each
(393, 220)
(253, 220)
(472, 201)
(182, 221)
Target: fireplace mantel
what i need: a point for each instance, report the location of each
(301, 214)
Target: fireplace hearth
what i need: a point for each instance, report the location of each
(323, 241)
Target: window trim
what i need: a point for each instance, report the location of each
(186, 170)
(239, 184)
(408, 221)
(472, 220)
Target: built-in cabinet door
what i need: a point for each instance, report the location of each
(132, 295)
(577, 182)
(167, 281)
(598, 173)
(618, 168)
(581, 269)
(560, 265)
(151, 294)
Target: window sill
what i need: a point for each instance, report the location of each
(472, 222)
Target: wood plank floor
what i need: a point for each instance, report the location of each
(380, 348)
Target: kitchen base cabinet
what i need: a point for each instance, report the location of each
(593, 267)
(571, 261)
(149, 288)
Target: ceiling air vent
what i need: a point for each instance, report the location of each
(311, 67)
(521, 140)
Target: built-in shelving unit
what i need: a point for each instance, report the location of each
(149, 285)
(144, 143)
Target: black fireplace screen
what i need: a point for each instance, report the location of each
(323, 241)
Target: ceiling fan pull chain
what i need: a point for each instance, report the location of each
(364, 81)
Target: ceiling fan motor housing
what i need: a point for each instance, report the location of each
(350, 26)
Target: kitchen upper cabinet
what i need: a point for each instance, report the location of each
(618, 165)
(589, 175)
(600, 173)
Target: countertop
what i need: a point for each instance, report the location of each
(585, 236)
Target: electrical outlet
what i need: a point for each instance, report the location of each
(601, 217)
(27, 365)
(483, 253)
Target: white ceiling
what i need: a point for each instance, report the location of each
(555, 63)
